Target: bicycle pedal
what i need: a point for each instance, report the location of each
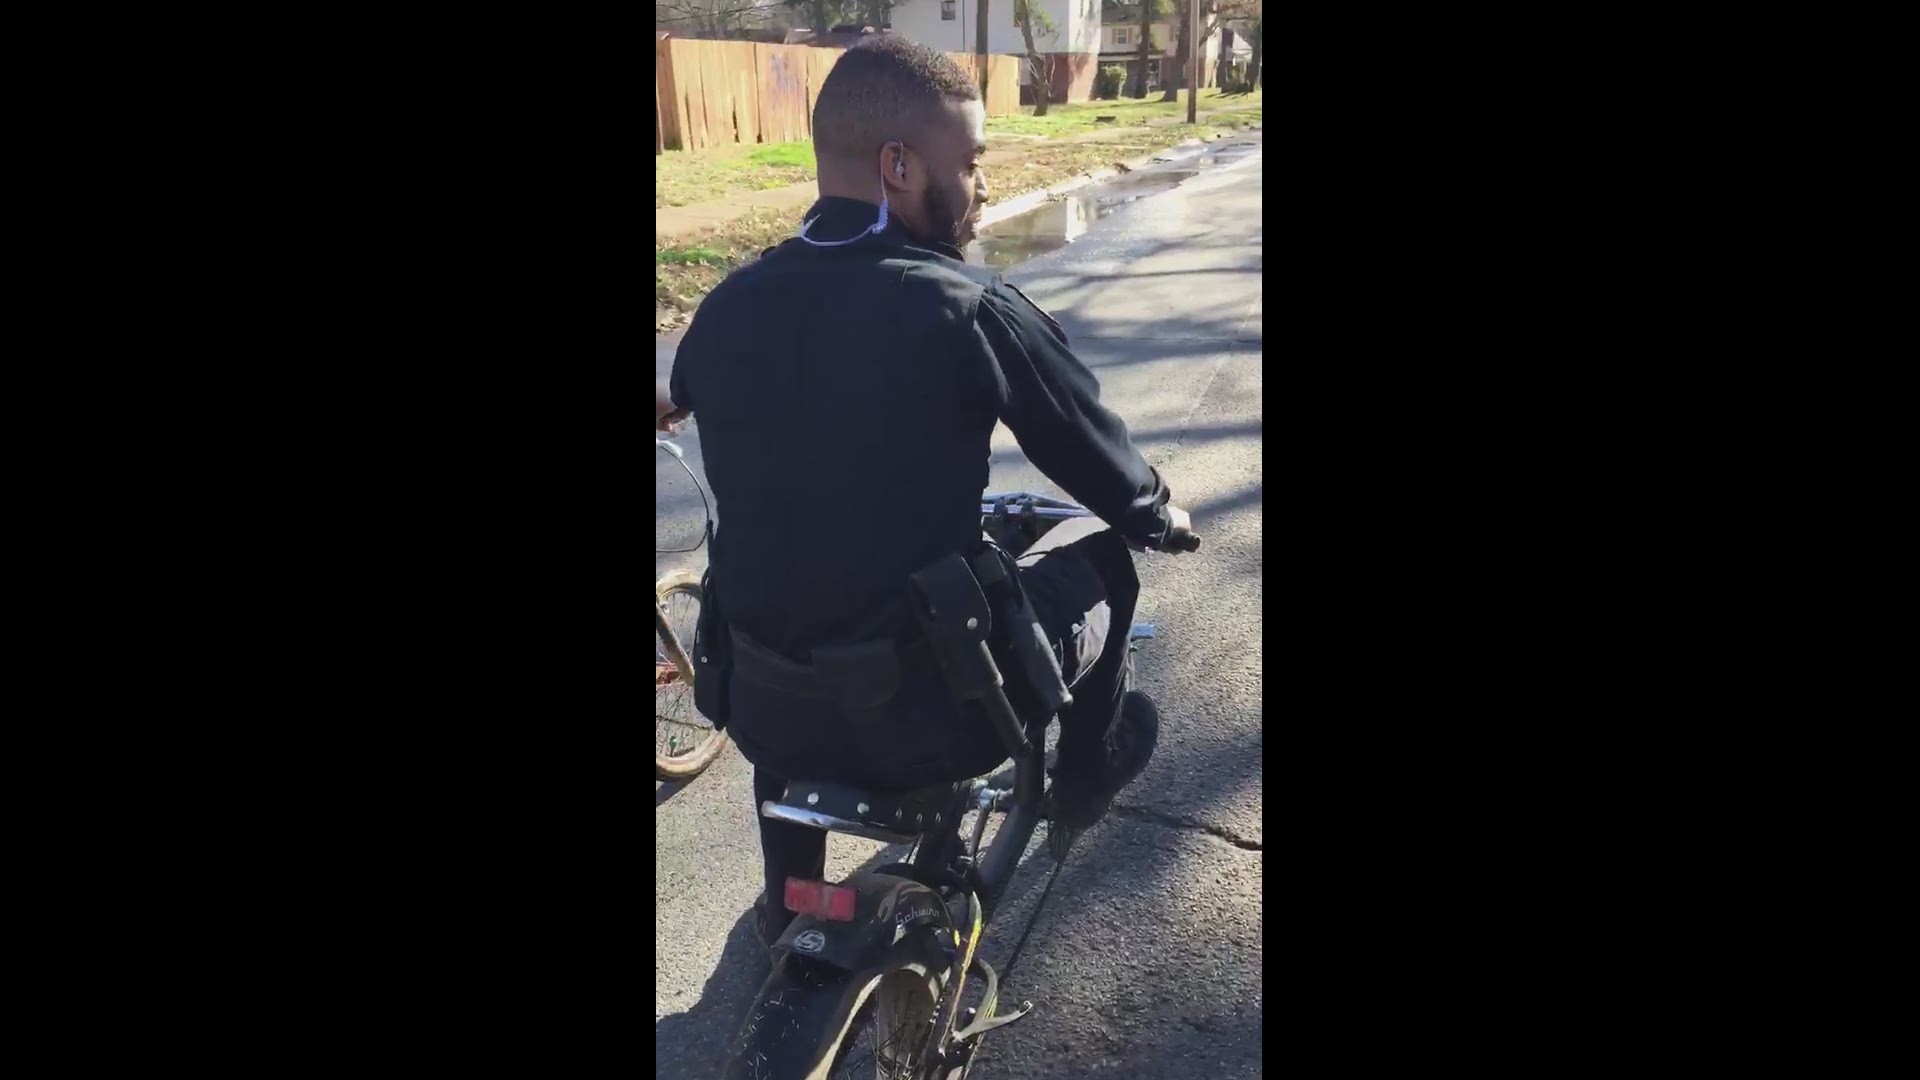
(956, 1062)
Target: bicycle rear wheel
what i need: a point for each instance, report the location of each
(889, 1036)
(684, 742)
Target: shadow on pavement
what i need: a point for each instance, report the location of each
(1150, 442)
(1136, 968)
(693, 1043)
(1199, 432)
(1249, 497)
(1224, 1034)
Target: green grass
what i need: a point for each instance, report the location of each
(687, 255)
(793, 155)
(682, 179)
(1074, 118)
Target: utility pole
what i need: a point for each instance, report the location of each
(1193, 65)
(980, 50)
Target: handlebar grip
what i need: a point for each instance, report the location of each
(1182, 540)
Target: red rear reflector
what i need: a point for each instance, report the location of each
(819, 899)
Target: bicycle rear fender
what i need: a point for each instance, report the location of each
(822, 972)
(896, 922)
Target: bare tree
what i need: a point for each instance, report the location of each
(714, 18)
(1254, 34)
(1248, 13)
(826, 14)
(1183, 29)
(1148, 9)
(1212, 14)
(1039, 67)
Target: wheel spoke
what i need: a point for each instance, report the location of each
(867, 1055)
(678, 728)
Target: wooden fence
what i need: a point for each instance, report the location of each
(710, 93)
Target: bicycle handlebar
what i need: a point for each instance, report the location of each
(1044, 513)
(1054, 510)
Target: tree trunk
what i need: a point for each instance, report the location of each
(1220, 71)
(1036, 67)
(1146, 48)
(1253, 62)
(819, 18)
(1183, 16)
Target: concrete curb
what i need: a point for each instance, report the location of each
(1016, 206)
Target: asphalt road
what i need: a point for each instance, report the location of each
(1146, 961)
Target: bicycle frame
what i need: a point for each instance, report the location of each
(671, 641)
(829, 966)
(1016, 792)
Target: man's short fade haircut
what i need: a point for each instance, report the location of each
(884, 88)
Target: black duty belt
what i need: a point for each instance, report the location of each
(861, 679)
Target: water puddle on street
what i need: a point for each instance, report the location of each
(1053, 225)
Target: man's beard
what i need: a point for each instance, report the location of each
(943, 224)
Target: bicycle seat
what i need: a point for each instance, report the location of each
(894, 817)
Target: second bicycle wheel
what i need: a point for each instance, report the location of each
(684, 742)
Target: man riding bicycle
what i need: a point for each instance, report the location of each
(847, 386)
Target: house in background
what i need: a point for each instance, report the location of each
(1071, 50)
(1120, 45)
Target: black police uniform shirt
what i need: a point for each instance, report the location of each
(845, 401)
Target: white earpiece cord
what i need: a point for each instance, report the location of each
(879, 224)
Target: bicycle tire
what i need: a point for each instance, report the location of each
(785, 1036)
(684, 766)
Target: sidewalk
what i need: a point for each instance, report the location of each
(673, 222)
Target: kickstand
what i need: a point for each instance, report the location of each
(1014, 958)
(1060, 841)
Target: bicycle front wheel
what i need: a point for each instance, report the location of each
(684, 742)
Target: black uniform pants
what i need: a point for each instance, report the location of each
(1080, 580)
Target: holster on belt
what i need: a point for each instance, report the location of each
(1025, 642)
(972, 608)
